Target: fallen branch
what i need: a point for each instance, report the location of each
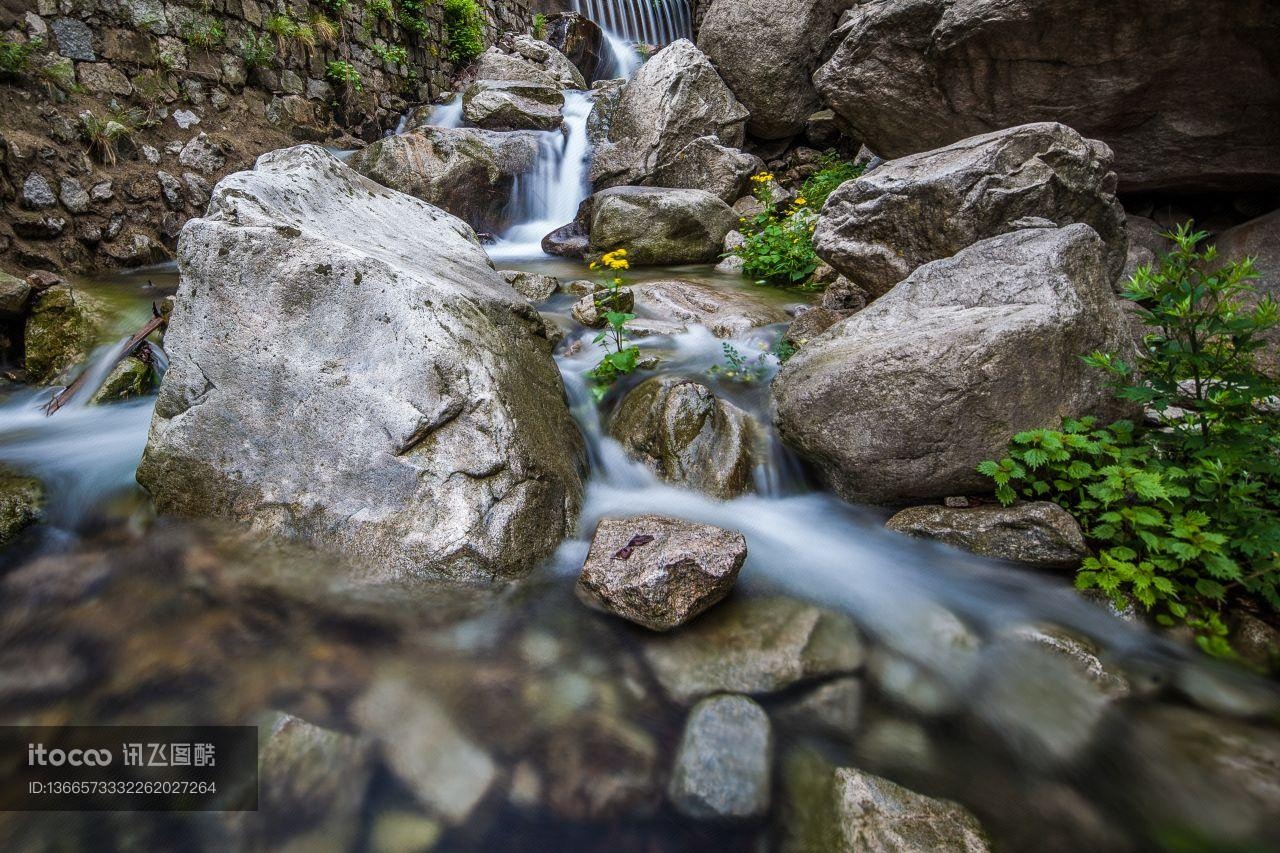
(135, 340)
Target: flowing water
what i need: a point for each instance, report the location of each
(1127, 742)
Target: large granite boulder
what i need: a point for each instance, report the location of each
(705, 164)
(1037, 533)
(767, 51)
(660, 226)
(1186, 92)
(686, 435)
(901, 401)
(467, 172)
(494, 64)
(659, 572)
(333, 380)
(877, 229)
(675, 98)
(505, 105)
(550, 59)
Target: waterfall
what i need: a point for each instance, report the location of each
(655, 22)
(548, 197)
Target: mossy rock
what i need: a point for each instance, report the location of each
(130, 378)
(21, 503)
(62, 329)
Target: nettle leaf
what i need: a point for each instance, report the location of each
(989, 468)
(1005, 494)
(1079, 469)
(1034, 458)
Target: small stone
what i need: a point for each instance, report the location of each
(171, 188)
(290, 82)
(198, 187)
(73, 195)
(75, 39)
(875, 815)
(40, 672)
(102, 191)
(532, 286)
(150, 154)
(590, 310)
(21, 503)
(311, 773)
(15, 293)
(185, 119)
(1256, 642)
(956, 502)
(103, 78)
(202, 154)
(403, 831)
(39, 227)
(36, 27)
(131, 378)
(36, 192)
(659, 572)
(723, 768)
(832, 709)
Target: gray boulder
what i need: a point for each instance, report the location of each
(581, 41)
(901, 401)
(553, 63)
(675, 98)
(726, 312)
(767, 51)
(502, 105)
(724, 764)
(878, 229)
(1038, 533)
(659, 572)
(493, 64)
(660, 226)
(439, 445)
(875, 815)
(469, 173)
(531, 285)
(756, 646)
(705, 164)
(912, 75)
(686, 435)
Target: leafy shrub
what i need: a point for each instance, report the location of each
(1185, 516)
(540, 26)
(203, 32)
(342, 73)
(393, 55)
(413, 17)
(381, 9)
(778, 246)
(257, 51)
(464, 24)
(15, 57)
(827, 179)
(337, 7)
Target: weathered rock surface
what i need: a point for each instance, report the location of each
(878, 816)
(1147, 246)
(916, 74)
(682, 570)
(685, 434)
(878, 229)
(502, 105)
(727, 313)
(1038, 533)
(62, 329)
(581, 40)
(553, 63)
(1258, 239)
(901, 401)
(21, 503)
(493, 64)
(675, 98)
(530, 285)
(447, 447)
(724, 762)
(767, 51)
(755, 646)
(660, 226)
(705, 164)
(469, 173)
(15, 294)
(314, 775)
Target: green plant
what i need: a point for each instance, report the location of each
(337, 7)
(15, 57)
(257, 51)
(381, 9)
(104, 135)
(392, 55)
(833, 172)
(1185, 516)
(464, 25)
(342, 73)
(737, 367)
(783, 349)
(283, 29)
(621, 356)
(778, 246)
(204, 32)
(324, 29)
(540, 26)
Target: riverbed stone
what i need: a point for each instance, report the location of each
(902, 401)
(503, 105)
(673, 99)
(73, 195)
(875, 815)
(727, 312)
(724, 764)
(880, 228)
(600, 767)
(590, 310)
(532, 286)
(315, 775)
(1037, 533)
(131, 378)
(755, 646)
(833, 708)
(21, 503)
(680, 570)
(467, 172)
(686, 435)
(930, 668)
(62, 329)
(453, 456)
(660, 226)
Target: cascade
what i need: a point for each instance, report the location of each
(652, 22)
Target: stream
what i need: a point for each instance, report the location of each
(1061, 725)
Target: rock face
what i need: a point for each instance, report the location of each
(705, 164)
(878, 229)
(877, 816)
(469, 173)
(660, 226)
(1037, 533)
(440, 446)
(901, 401)
(680, 571)
(724, 764)
(503, 105)
(675, 98)
(916, 74)
(62, 329)
(755, 646)
(767, 51)
(727, 313)
(581, 40)
(685, 435)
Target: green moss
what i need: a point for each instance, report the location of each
(130, 378)
(62, 329)
(21, 503)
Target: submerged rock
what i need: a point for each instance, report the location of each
(724, 762)
(659, 572)
(916, 74)
(439, 446)
(875, 815)
(62, 329)
(503, 105)
(1038, 533)
(675, 98)
(660, 226)
(727, 313)
(755, 646)
(686, 435)
(901, 401)
(132, 377)
(600, 768)
(880, 228)
(21, 503)
(833, 709)
(467, 172)
(313, 776)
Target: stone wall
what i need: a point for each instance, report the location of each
(204, 87)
